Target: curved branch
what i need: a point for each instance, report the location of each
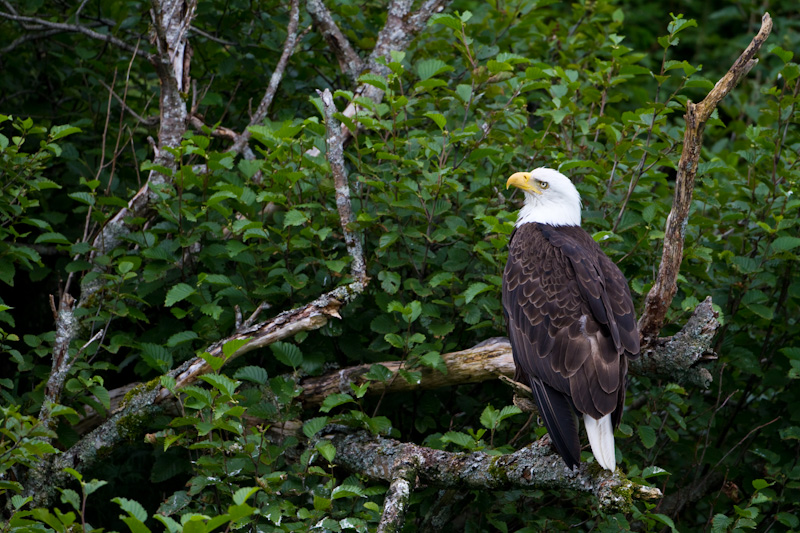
(659, 298)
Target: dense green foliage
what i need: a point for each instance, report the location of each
(594, 89)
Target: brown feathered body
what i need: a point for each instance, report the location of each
(572, 328)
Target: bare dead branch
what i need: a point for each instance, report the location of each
(275, 79)
(41, 24)
(483, 362)
(398, 496)
(30, 36)
(335, 142)
(535, 466)
(659, 298)
(198, 31)
(349, 61)
(145, 400)
(220, 131)
(66, 330)
(400, 28)
(309, 317)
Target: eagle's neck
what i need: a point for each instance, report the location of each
(537, 209)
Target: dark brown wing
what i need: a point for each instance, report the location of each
(571, 324)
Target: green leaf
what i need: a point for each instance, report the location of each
(490, 417)
(62, 410)
(648, 436)
(509, 411)
(679, 24)
(346, 491)
(664, 519)
(82, 197)
(178, 292)
(473, 290)
(254, 374)
(395, 340)
(314, 425)
(387, 239)
(241, 495)
(720, 523)
(181, 337)
(785, 55)
(71, 497)
(294, 218)
(438, 118)
(59, 132)
(93, 485)
(654, 471)
(762, 310)
(326, 449)
(287, 353)
(102, 395)
(231, 346)
(412, 377)
(375, 80)
(378, 372)
(784, 244)
(461, 439)
(51, 237)
(132, 507)
(447, 20)
(18, 502)
(788, 519)
(222, 383)
(390, 281)
(335, 400)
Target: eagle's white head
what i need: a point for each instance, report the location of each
(550, 198)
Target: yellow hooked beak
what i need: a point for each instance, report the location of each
(523, 181)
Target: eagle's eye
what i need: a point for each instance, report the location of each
(543, 184)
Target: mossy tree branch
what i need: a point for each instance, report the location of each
(535, 466)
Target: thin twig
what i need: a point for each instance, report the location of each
(147, 122)
(195, 29)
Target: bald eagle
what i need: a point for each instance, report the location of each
(570, 317)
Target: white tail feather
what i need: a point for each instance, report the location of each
(601, 438)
